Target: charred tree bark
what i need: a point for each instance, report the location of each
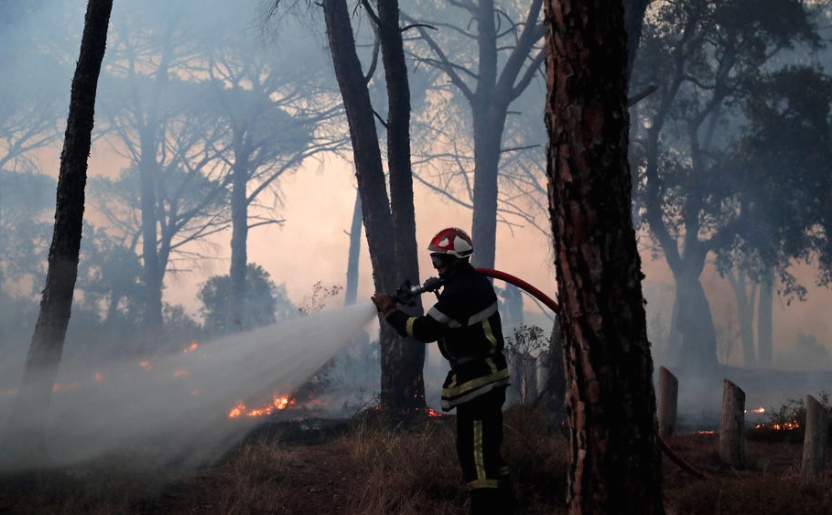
(615, 463)
(46, 347)
(402, 387)
(406, 385)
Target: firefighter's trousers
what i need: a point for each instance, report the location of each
(479, 438)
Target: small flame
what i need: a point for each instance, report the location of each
(192, 347)
(278, 403)
(145, 365)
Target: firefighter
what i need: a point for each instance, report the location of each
(466, 324)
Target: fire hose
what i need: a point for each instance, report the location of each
(406, 292)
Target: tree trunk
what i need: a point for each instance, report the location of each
(764, 321)
(402, 387)
(745, 315)
(239, 237)
(46, 348)
(152, 272)
(633, 21)
(354, 253)
(406, 386)
(695, 323)
(615, 465)
(489, 121)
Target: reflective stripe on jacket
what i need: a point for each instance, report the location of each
(466, 324)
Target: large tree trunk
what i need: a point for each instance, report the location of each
(404, 386)
(47, 343)
(695, 323)
(378, 221)
(615, 463)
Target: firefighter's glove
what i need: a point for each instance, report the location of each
(432, 284)
(384, 303)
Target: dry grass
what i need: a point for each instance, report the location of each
(367, 468)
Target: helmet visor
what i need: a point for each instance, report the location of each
(442, 260)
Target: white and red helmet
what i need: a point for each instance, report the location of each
(452, 241)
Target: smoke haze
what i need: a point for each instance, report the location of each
(177, 408)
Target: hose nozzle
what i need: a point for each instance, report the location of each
(407, 292)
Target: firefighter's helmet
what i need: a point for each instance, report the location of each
(453, 242)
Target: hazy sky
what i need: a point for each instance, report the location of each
(312, 246)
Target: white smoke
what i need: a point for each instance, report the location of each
(177, 408)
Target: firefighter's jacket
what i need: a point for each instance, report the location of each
(466, 324)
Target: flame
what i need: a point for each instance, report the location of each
(786, 426)
(145, 365)
(278, 403)
(759, 410)
(192, 347)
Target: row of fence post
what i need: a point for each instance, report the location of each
(732, 424)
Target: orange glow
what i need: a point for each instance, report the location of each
(278, 403)
(64, 387)
(787, 426)
(191, 348)
(98, 376)
(759, 410)
(145, 365)
(181, 373)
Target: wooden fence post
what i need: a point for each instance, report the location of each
(815, 440)
(529, 390)
(668, 399)
(732, 427)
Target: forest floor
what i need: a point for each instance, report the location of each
(360, 467)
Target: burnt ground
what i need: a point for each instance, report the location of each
(325, 473)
